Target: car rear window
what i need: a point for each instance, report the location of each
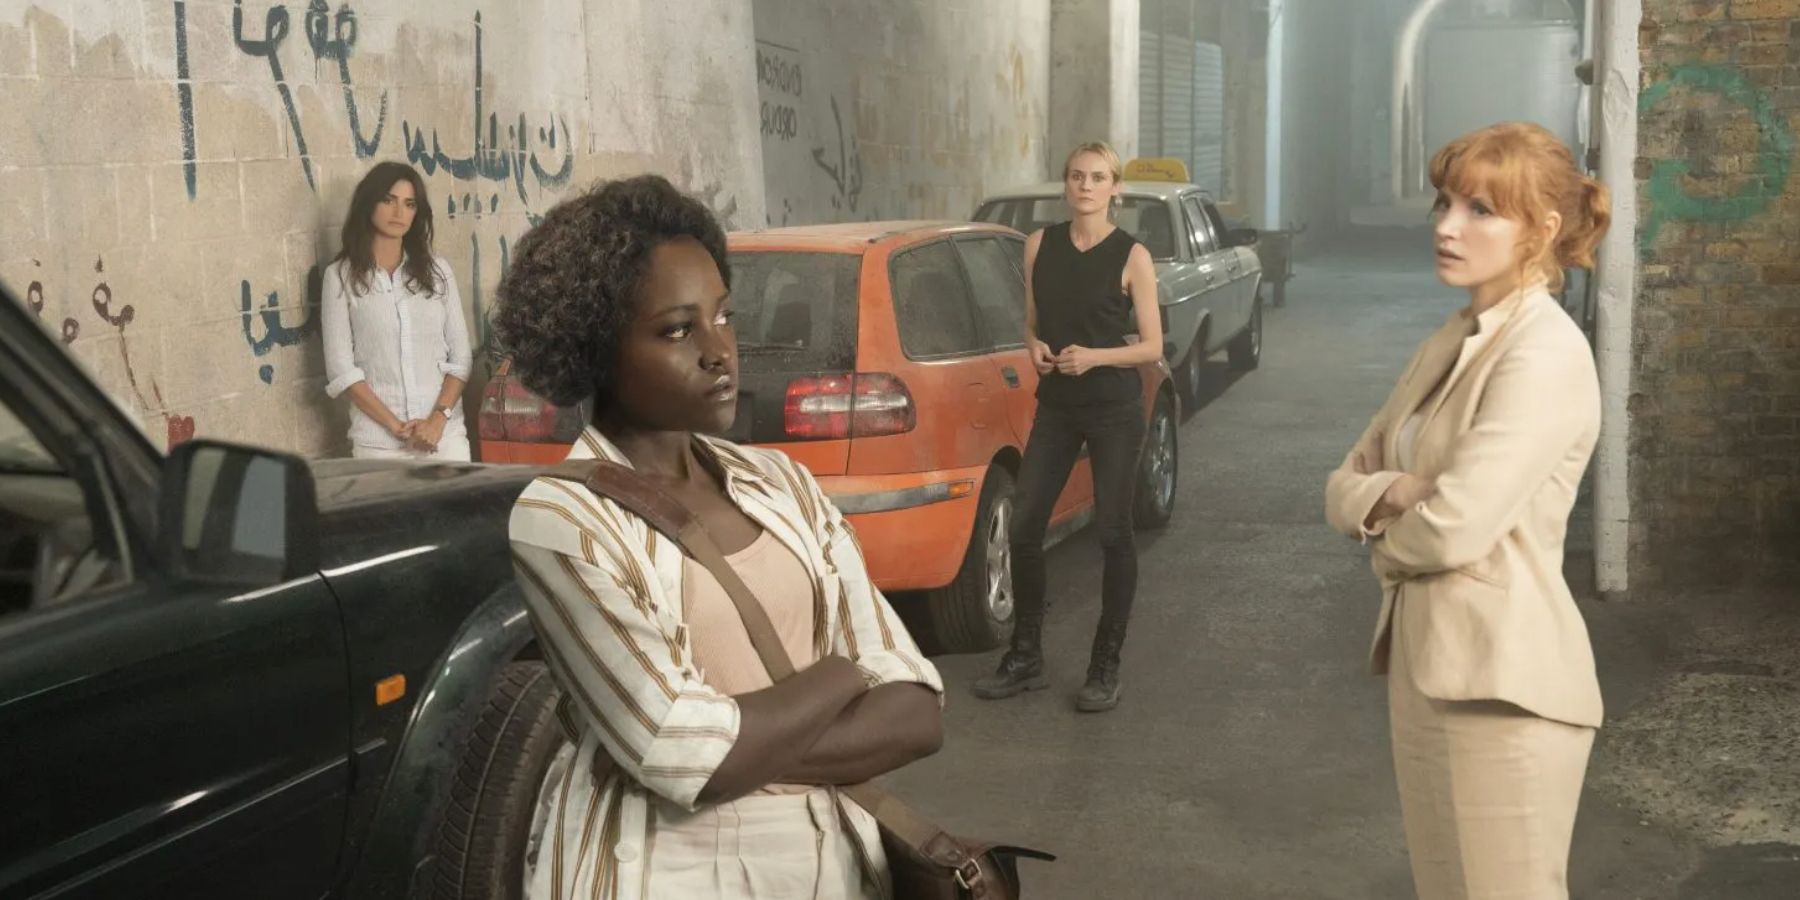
(795, 311)
(1144, 218)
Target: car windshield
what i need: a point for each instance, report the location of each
(1144, 218)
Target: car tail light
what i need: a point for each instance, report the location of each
(511, 412)
(835, 407)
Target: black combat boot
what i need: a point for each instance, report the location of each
(1101, 692)
(1022, 668)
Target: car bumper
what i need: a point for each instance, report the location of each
(914, 528)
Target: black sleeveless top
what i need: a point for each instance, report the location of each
(1079, 301)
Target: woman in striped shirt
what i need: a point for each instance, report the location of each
(723, 783)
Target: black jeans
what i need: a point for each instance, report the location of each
(1114, 434)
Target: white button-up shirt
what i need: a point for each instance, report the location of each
(398, 338)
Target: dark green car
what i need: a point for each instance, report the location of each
(228, 672)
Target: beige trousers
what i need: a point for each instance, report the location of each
(761, 847)
(1488, 792)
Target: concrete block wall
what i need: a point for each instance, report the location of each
(1715, 396)
(173, 173)
(915, 110)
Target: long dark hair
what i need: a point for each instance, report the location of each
(358, 238)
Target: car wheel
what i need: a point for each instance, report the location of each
(975, 612)
(1246, 348)
(1158, 468)
(1192, 371)
(486, 834)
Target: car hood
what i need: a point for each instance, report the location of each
(349, 484)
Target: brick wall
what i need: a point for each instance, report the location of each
(1715, 396)
(174, 172)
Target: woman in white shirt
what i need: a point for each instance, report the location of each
(395, 337)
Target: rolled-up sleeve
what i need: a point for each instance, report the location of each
(868, 633)
(1540, 405)
(458, 357)
(590, 603)
(1350, 495)
(341, 370)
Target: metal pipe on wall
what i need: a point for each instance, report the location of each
(1403, 108)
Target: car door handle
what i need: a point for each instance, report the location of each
(1011, 375)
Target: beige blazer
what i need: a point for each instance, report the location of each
(1472, 578)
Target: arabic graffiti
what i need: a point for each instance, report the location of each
(847, 172)
(185, 88)
(492, 160)
(1670, 201)
(333, 38)
(34, 301)
(275, 31)
(275, 334)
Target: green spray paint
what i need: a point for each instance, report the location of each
(1669, 202)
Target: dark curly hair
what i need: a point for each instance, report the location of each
(572, 286)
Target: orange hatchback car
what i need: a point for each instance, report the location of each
(888, 358)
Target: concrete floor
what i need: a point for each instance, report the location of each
(1249, 759)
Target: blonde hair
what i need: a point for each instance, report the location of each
(1101, 149)
(1528, 173)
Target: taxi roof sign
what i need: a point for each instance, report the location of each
(1165, 168)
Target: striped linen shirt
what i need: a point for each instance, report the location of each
(604, 593)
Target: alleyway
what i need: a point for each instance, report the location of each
(1249, 759)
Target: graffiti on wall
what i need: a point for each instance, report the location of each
(331, 36)
(118, 315)
(493, 159)
(184, 87)
(813, 163)
(782, 85)
(1669, 198)
(842, 163)
(276, 333)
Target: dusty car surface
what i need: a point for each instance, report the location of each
(1207, 276)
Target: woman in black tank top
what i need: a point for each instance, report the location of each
(1088, 285)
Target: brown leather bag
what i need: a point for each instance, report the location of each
(926, 862)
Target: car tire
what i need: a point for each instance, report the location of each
(1158, 468)
(974, 613)
(1188, 377)
(485, 833)
(1246, 348)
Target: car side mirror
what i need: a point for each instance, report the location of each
(1241, 237)
(237, 515)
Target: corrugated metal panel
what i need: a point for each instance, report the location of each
(1150, 126)
(1181, 104)
(1208, 166)
(1178, 100)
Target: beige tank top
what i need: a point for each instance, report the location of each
(721, 646)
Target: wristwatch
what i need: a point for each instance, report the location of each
(444, 410)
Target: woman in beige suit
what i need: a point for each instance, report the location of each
(1461, 487)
